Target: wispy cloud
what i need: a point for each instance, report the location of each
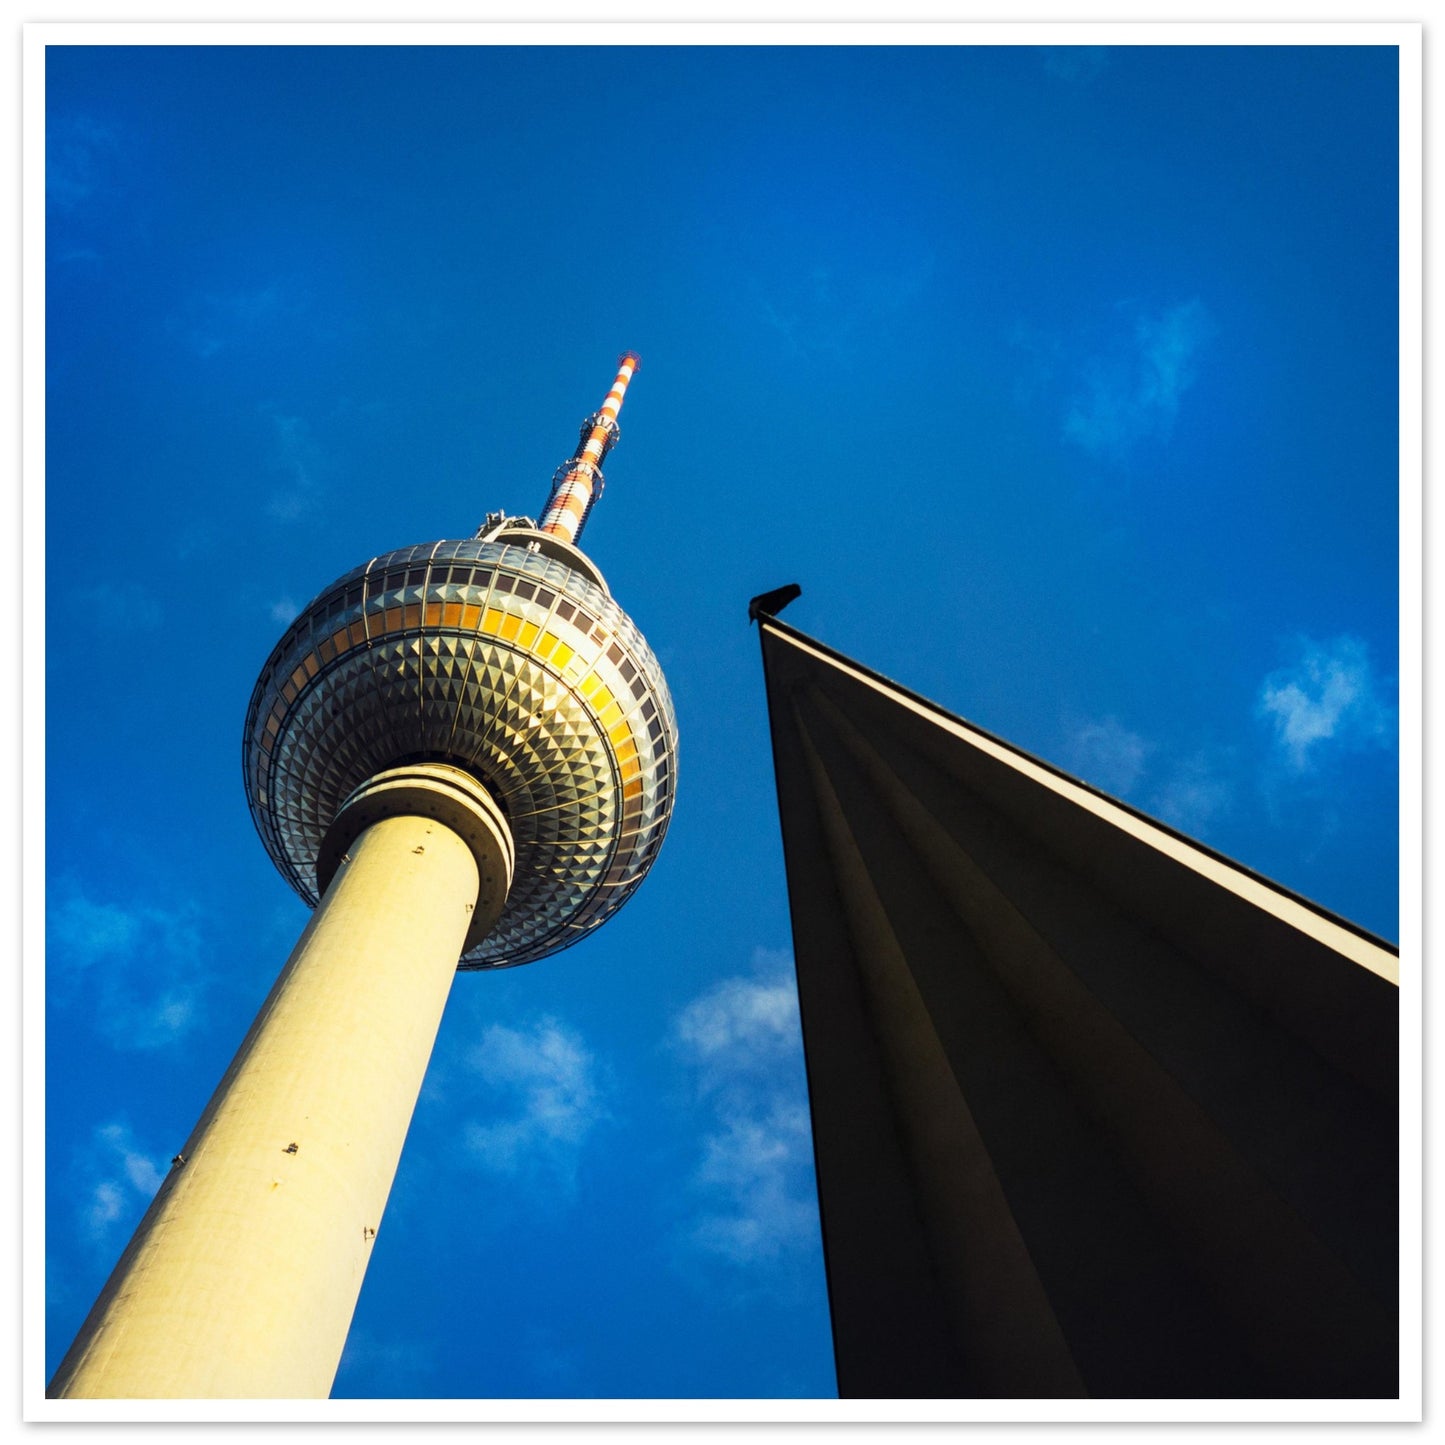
(296, 457)
(213, 321)
(120, 1179)
(1327, 698)
(547, 1098)
(755, 1178)
(399, 1356)
(835, 307)
(1131, 390)
(80, 156)
(1191, 792)
(121, 607)
(195, 537)
(1077, 64)
(550, 1357)
(1194, 796)
(134, 966)
(1043, 354)
(1106, 754)
(282, 611)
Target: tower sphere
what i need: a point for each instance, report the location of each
(504, 655)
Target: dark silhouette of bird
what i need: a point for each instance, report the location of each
(769, 604)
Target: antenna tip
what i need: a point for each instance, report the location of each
(630, 358)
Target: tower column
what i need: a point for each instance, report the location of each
(243, 1275)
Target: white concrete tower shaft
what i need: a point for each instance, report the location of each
(243, 1275)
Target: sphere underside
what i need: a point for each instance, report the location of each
(496, 659)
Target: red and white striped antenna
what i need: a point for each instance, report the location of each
(577, 483)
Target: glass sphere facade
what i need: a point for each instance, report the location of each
(500, 660)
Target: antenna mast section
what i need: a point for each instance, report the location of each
(577, 483)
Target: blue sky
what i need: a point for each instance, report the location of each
(1063, 380)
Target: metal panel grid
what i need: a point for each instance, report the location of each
(494, 658)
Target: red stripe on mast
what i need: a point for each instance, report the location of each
(578, 482)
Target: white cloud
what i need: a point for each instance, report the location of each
(742, 1023)
(1329, 695)
(544, 1085)
(140, 965)
(107, 1203)
(283, 611)
(755, 1177)
(1108, 755)
(758, 1168)
(142, 1173)
(120, 1180)
(1133, 391)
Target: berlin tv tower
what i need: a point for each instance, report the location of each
(462, 754)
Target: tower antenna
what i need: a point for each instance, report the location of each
(577, 483)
